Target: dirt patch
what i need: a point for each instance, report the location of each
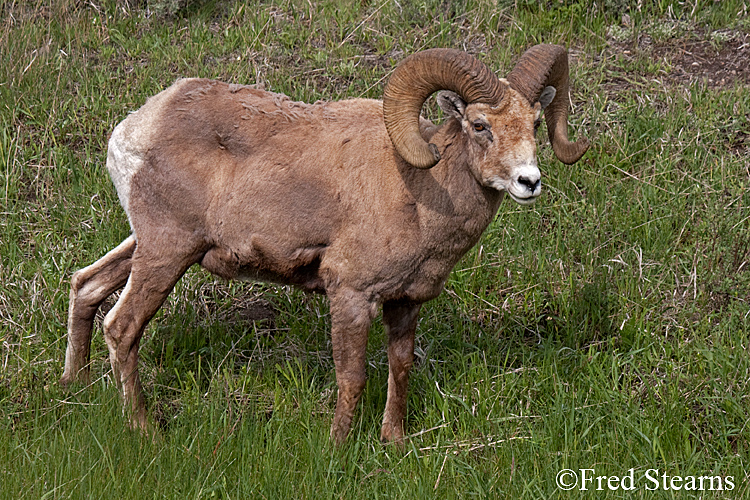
(718, 59)
(718, 65)
(257, 310)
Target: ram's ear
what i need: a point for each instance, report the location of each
(451, 104)
(547, 95)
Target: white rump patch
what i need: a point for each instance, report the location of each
(132, 138)
(123, 162)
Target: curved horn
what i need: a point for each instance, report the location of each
(419, 76)
(540, 66)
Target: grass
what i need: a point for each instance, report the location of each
(604, 328)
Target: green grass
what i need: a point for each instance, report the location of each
(605, 327)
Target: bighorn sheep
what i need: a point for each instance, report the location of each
(361, 200)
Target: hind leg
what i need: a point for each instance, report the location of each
(155, 270)
(89, 287)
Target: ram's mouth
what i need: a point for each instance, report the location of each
(524, 201)
(528, 197)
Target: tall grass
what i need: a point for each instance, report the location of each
(605, 327)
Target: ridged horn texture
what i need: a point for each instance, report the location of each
(539, 67)
(419, 76)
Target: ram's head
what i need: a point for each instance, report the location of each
(498, 116)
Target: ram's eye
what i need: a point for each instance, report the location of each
(479, 127)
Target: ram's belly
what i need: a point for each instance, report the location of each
(260, 260)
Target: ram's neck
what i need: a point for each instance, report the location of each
(454, 208)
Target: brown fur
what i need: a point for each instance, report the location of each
(250, 184)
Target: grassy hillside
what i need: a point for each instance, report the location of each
(604, 327)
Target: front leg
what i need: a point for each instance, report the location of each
(400, 318)
(351, 316)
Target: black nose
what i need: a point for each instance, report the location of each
(531, 184)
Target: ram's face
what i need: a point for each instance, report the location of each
(502, 143)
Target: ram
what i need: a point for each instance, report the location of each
(361, 200)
